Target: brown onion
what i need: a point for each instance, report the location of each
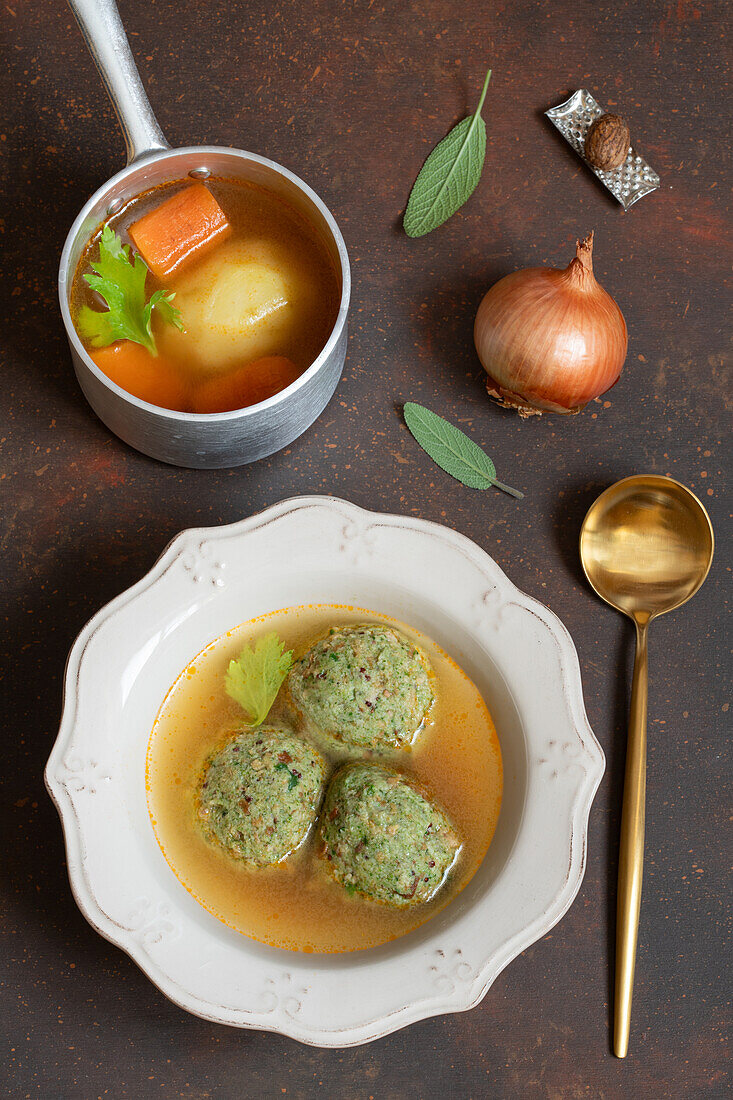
(550, 340)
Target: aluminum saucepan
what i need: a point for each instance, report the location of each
(211, 440)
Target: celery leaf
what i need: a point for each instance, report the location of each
(119, 279)
(255, 678)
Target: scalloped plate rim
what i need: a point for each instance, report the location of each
(385, 1023)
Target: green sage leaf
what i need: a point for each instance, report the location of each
(453, 450)
(450, 174)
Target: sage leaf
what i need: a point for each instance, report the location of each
(453, 450)
(450, 174)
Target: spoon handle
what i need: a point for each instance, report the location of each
(631, 850)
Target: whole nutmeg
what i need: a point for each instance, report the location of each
(607, 142)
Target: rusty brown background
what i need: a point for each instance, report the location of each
(352, 96)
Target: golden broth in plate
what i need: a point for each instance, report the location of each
(296, 904)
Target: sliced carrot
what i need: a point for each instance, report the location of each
(143, 375)
(247, 385)
(180, 230)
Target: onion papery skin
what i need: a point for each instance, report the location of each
(550, 340)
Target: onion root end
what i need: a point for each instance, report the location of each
(509, 400)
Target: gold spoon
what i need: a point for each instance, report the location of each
(646, 546)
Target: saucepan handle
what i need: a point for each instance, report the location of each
(105, 36)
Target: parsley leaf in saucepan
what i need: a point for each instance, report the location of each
(120, 282)
(255, 678)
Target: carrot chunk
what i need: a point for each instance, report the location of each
(135, 370)
(247, 385)
(180, 230)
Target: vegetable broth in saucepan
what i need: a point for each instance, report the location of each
(296, 904)
(257, 306)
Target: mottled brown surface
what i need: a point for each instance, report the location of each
(351, 96)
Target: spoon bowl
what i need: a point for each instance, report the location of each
(646, 546)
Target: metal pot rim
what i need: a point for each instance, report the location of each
(108, 188)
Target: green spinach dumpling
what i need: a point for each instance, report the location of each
(381, 836)
(365, 686)
(259, 794)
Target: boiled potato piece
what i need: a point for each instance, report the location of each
(243, 302)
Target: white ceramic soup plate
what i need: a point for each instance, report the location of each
(191, 439)
(322, 550)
